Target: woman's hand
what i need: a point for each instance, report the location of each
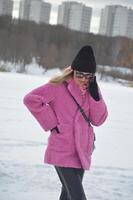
(68, 69)
(93, 89)
(56, 129)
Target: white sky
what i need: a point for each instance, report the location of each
(95, 4)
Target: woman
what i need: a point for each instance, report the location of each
(68, 106)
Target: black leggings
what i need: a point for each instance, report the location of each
(71, 179)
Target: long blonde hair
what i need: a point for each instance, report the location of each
(66, 75)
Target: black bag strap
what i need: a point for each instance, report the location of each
(79, 107)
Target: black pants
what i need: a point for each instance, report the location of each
(71, 179)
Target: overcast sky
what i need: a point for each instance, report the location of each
(95, 4)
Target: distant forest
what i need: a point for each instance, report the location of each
(56, 46)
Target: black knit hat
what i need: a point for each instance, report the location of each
(84, 60)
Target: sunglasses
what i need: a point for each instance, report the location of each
(85, 75)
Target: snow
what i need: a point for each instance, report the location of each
(123, 70)
(23, 175)
(32, 68)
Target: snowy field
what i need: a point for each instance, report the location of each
(23, 176)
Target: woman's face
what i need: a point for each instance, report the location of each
(82, 78)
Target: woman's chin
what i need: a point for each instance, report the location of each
(85, 85)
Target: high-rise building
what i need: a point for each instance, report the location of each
(116, 20)
(107, 20)
(35, 10)
(75, 16)
(6, 7)
(64, 12)
(129, 32)
(123, 22)
(24, 9)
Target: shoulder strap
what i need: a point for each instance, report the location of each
(79, 107)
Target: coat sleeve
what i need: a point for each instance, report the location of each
(98, 110)
(38, 102)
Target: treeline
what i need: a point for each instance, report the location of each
(56, 46)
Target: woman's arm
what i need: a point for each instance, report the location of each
(98, 110)
(38, 103)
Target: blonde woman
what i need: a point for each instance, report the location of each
(69, 106)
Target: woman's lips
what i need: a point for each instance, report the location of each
(84, 86)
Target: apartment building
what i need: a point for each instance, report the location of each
(35, 10)
(6, 7)
(75, 16)
(116, 20)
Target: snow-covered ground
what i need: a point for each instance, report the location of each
(23, 175)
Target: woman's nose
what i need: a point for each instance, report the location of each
(84, 79)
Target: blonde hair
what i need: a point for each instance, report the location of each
(66, 75)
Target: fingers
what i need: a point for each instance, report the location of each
(68, 69)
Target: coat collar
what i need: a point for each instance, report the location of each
(76, 92)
